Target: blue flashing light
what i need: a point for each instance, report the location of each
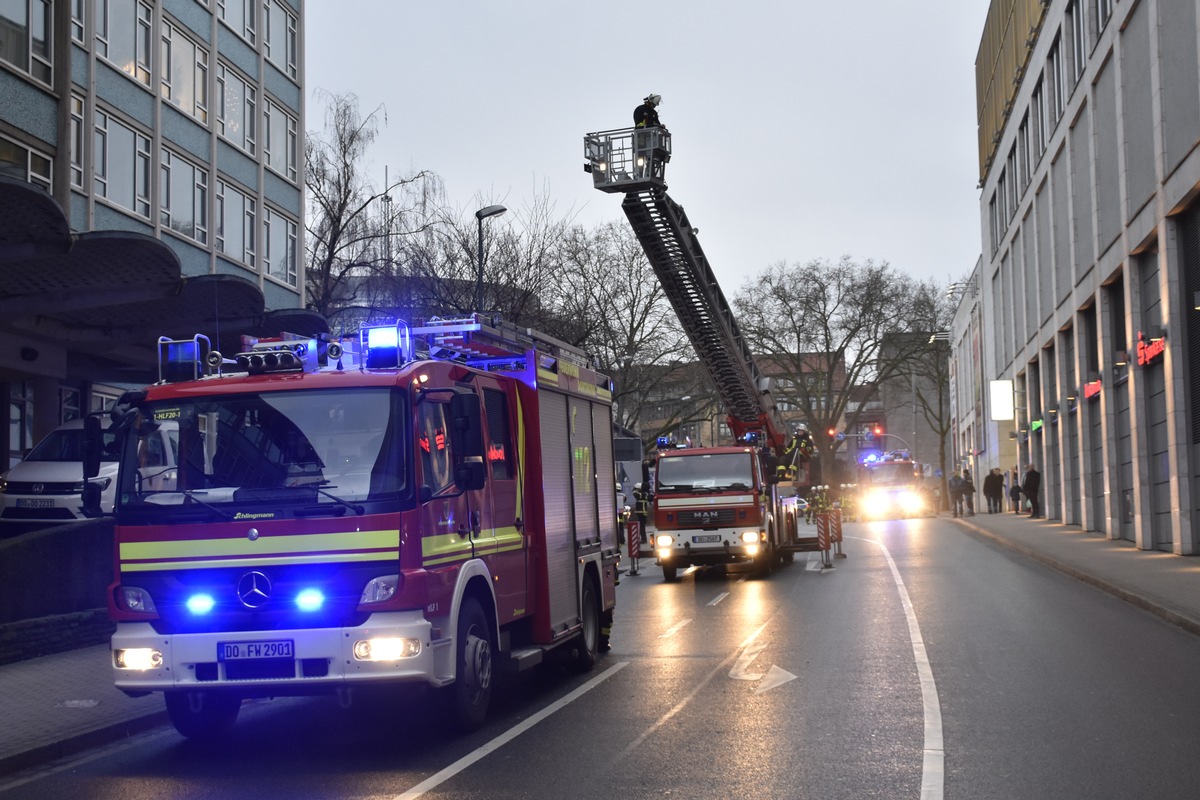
(310, 600)
(664, 441)
(200, 604)
(387, 346)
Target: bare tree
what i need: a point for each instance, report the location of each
(634, 333)
(350, 223)
(824, 326)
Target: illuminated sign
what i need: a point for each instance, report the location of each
(1149, 350)
(1091, 389)
(1036, 425)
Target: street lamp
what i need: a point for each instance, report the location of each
(487, 211)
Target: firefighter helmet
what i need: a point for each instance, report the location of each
(654, 99)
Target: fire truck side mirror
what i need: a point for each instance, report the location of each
(470, 474)
(466, 426)
(91, 500)
(92, 444)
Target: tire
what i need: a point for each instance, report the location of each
(587, 647)
(766, 561)
(669, 572)
(203, 716)
(471, 693)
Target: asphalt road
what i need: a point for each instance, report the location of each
(928, 660)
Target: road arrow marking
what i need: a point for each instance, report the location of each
(739, 673)
(775, 677)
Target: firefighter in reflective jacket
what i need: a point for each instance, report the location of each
(641, 509)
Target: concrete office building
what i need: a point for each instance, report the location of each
(1087, 296)
(177, 123)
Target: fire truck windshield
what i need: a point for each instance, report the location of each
(900, 473)
(704, 472)
(282, 449)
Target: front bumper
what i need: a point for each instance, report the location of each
(322, 659)
(704, 548)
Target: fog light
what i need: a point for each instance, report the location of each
(386, 649)
(138, 658)
(664, 554)
(751, 550)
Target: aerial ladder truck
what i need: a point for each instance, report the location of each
(713, 505)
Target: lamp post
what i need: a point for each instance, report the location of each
(487, 211)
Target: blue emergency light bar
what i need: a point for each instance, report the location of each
(386, 346)
(182, 359)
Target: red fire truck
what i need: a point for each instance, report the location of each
(723, 505)
(423, 505)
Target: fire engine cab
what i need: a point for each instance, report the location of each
(422, 504)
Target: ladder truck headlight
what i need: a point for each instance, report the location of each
(664, 540)
(138, 658)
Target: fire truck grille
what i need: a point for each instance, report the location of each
(706, 518)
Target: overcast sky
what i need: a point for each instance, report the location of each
(801, 129)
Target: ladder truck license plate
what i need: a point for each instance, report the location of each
(244, 651)
(706, 538)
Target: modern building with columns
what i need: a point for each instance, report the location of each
(1087, 295)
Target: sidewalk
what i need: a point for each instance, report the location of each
(61, 704)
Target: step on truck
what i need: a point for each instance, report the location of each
(419, 505)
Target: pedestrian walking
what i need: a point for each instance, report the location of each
(1014, 490)
(968, 492)
(993, 490)
(1031, 486)
(955, 486)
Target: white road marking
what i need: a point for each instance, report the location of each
(933, 767)
(718, 598)
(438, 778)
(739, 671)
(815, 563)
(674, 629)
(776, 676)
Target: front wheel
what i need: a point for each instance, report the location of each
(471, 693)
(669, 571)
(202, 715)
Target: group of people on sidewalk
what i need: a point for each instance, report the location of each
(962, 492)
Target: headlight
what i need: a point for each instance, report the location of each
(380, 590)
(386, 649)
(751, 537)
(910, 501)
(135, 599)
(664, 540)
(138, 658)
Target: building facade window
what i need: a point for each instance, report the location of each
(1041, 120)
(279, 243)
(1056, 83)
(77, 11)
(77, 141)
(122, 165)
(185, 73)
(184, 189)
(279, 139)
(279, 39)
(24, 164)
(1077, 32)
(236, 219)
(25, 36)
(123, 36)
(1101, 14)
(1025, 169)
(236, 104)
(239, 16)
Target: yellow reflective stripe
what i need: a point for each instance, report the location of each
(267, 561)
(330, 545)
(444, 548)
(545, 375)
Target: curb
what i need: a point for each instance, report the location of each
(1187, 623)
(70, 746)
